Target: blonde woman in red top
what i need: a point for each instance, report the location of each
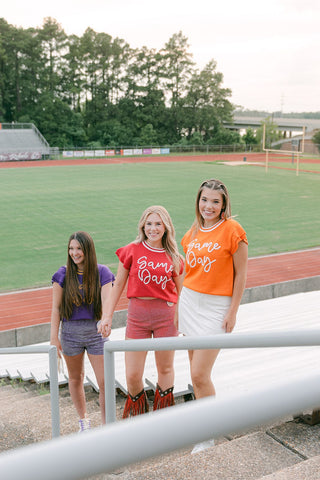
(216, 250)
(153, 268)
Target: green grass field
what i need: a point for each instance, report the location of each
(42, 206)
(303, 167)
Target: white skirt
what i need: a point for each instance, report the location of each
(201, 314)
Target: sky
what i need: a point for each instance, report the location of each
(268, 52)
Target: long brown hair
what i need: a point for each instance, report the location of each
(212, 184)
(168, 240)
(91, 280)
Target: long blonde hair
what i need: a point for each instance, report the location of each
(220, 187)
(168, 240)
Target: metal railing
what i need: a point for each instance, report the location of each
(53, 378)
(121, 443)
(40, 136)
(235, 340)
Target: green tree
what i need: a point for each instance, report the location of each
(104, 71)
(147, 137)
(116, 134)
(96, 89)
(177, 65)
(143, 72)
(224, 136)
(206, 103)
(270, 129)
(19, 61)
(61, 126)
(316, 139)
(72, 77)
(249, 137)
(6, 72)
(53, 42)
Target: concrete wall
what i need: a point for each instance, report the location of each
(41, 333)
(18, 337)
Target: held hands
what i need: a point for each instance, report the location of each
(104, 327)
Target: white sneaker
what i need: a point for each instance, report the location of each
(199, 447)
(84, 424)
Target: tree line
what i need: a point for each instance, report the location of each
(96, 90)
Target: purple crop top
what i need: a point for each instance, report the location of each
(84, 311)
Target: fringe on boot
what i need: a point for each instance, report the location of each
(163, 398)
(136, 405)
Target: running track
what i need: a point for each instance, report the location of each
(32, 307)
(258, 158)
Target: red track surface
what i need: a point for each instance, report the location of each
(258, 158)
(252, 157)
(33, 307)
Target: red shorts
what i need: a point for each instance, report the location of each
(150, 318)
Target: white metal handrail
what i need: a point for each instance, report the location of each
(53, 378)
(107, 448)
(121, 443)
(239, 340)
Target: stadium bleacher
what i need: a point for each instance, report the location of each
(22, 142)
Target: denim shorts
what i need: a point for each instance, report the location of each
(150, 318)
(76, 336)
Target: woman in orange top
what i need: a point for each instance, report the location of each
(216, 250)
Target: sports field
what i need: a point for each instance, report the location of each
(41, 207)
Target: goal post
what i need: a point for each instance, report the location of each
(296, 152)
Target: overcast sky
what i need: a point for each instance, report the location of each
(268, 52)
